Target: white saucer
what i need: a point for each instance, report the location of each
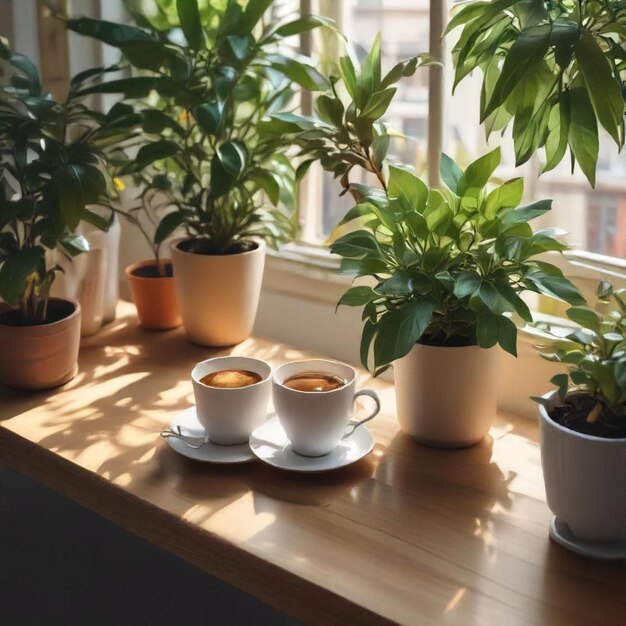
(208, 452)
(270, 444)
(599, 550)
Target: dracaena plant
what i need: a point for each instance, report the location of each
(595, 356)
(348, 131)
(202, 100)
(55, 160)
(555, 70)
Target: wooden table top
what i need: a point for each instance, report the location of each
(408, 534)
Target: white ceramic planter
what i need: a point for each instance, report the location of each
(446, 397)
(218, 295)
(585, 479)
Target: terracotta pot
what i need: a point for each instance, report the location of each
(218, 295)
(154, 296)
(446, 397)
(44, 356)
(584, 477)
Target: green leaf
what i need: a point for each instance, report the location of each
(557, 286)
(408, 188)
(369, 330)
(558, 130)
(505, 196)
(527, 213)
(15, 271)
(399, 329)
(478, 173)
(349, 76)
(233, 157)
(450, 173)
(370, 73)
(603, 89)
(301, 73)
(108, 32)
(155, 151)
(531, 46)
(507, 335)
(467, 284)
(562, 382)
(487, 330)
(303, 24)
(583, 132)
(269, 182)
(191, 23)
(585, 316)
(28, 68)
(330, 110)
(168, 225)
(357, 296)
(378, 103)
(398, 285)
(357, 244)
(209, 117)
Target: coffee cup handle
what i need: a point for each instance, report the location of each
(354, 424)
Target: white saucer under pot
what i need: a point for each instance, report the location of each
(585, 484)
(194, 442)
(270, 444)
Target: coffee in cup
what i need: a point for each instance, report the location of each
(232, 394)
(314, 401)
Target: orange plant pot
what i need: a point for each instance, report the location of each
(154, 295)
(42, 356)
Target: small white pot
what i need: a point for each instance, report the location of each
(218, 295)
(446, 397)
(585, 479)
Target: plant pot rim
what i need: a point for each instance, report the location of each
(52, 325)
(147, 263)
(261, 245)
(568, 431)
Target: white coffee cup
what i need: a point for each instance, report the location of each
(316, 421)
(229, 415)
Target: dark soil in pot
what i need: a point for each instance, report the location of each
(200, 245)
(151, 271)
(573, 414)
(58, 309)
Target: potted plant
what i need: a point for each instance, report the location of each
(207, 150)
(552, 69)
(52, 166)
(152, 281)
(583, 422)
(446, 266)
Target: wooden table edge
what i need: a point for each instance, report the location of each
(285, 591)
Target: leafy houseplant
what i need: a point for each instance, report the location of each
(54, 163)
(583, 423)
(553, 69)
(446, 266)
(206, 151)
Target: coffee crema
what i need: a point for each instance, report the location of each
(314, 381)
(231, 379)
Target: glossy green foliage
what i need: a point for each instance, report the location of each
(448, 264)
(595, 354)
(202, 100)
(55, 161)
(348, 132)
(554, 71)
